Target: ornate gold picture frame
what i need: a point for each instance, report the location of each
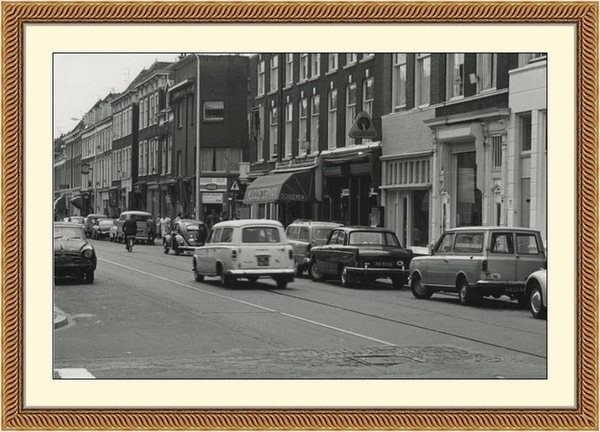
(582, 15)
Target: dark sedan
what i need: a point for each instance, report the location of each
(361, 254)
(101, 228)
(73, 254)
(186, 235)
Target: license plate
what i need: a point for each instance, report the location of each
(384, 264)
(262, 261)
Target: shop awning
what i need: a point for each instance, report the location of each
(296, 186)
(60, 204)
(78, 201)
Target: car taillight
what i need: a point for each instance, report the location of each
(484, 265)
(290, 254)
(233, 255)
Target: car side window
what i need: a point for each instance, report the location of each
(226, 235)
(333, 238)
(303, 235)
(527, 244)
(445, 245)
(216, 235)
(469, 242)
(292, 233)
(502, 243)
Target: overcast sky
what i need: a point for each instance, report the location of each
(80, 80)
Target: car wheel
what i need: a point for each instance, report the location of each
(419, 289)
(282, 284)
(197, 276)
(347, 278)
(465, 293)
(536, 304)
(89, 277)
(398, 281)
(315, 273)
(165, 248)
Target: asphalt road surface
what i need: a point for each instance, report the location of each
(146, 317)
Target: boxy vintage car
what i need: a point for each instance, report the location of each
(143, 234)
(303, 235)
(186, 235)
(73, 253)
(364, 254)
(245, 249)
(479, 261)
(537, 293)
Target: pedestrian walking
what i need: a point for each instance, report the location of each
(150, 229)
(165, 225)
(129, 231)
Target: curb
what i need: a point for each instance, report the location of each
(60, 318)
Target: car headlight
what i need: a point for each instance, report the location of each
(400, 263)
(88, 253)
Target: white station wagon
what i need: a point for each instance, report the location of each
(245, 249)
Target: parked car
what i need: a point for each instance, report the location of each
(185, 236)
(476, 262)
(303, 235)
(89, 221)
(364, 254)
(537, 293)
(74, 219)
(245, 249)
(144, 233)
(73, 254)
(101, 228)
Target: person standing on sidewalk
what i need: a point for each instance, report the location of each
(129, 230)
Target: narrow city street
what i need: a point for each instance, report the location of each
(146, 317)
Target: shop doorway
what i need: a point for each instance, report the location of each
(468, 197)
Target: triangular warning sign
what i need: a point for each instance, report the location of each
(362, 127)
(235, 186)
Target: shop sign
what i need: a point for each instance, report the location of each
(212, 198)
(213, 183)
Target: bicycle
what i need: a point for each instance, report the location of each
(129, 240)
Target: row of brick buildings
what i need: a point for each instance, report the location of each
(454, 139)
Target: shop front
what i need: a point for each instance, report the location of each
(283, 195)
(351, 180)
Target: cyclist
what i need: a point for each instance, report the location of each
(129, 230)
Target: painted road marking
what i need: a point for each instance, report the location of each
(74, 373)
(249, 304)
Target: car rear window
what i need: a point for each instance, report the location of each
(527, 244)
(260, 235)
(468, 242)
(373, 238)
(322, 233)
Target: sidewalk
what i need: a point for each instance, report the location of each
(60, 318)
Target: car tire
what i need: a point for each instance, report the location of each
(536, 304)
(465, 293)
(418, 288)
(347, 278)
(89, 277)
(197, 276)
(165, 248)
(282, 284)
(315, 273)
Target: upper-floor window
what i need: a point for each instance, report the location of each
(303, 125)
(274, 73)
(303, 67)
(142, 124)
(368, 95)
(214, 110)
(332, 63)
(288, 129)
(526, 58)
(332, 119)
(261, 77)
(399, 81)
(351, 58)
(315, 65)
(314, 123)
(289, 69)
(455, 77)
(524, 125)
(350, 110)
(486, 71)
(423, 78)
(273, 120)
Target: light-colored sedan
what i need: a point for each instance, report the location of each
(245, 249)
(537, 294)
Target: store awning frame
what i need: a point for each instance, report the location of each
(292, 186)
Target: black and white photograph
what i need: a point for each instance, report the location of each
(300, 216)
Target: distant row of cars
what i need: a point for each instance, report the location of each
(474, 262)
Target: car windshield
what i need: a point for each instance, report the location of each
(373, 238)
(260, 235)
(67, 233)
(106, 222)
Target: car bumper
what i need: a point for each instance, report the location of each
(375, 271)
(65, 269)
(288, 273)
(508, 287)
